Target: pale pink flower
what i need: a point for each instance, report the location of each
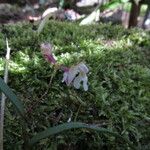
(75, 75)
(46, 49)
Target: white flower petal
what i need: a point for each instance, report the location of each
(65, 76)
(72, 74)
(77, 82)
(85, 85)
(83, 68)
(79, 79)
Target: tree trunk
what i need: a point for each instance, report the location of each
(134, 13)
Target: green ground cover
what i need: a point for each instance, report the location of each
(119, 84)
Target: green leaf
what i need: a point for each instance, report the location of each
(112, 4)
(124, 1)
(12, 97)
(91, 18)
(72, 125)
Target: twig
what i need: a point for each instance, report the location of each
(35, 104)
(77, 113)
(2, 108)
(77, 99)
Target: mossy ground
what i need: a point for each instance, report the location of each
(119, 84)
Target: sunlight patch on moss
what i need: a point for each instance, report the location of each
(1, 64)
(15, 67)
(36, 59)
(23, 57)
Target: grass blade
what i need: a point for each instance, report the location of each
(2, 106)
(73, 125)
(12, 97)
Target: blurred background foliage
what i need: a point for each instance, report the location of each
(129, 13)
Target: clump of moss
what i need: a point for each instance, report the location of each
(119, 83)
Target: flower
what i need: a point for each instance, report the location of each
(46, 49)
(76, 75)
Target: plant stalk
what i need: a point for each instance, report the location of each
(3, 98)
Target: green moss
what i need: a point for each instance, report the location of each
(119, 83)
